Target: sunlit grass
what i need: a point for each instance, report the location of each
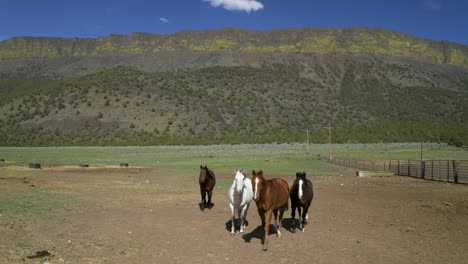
(274, 158)
(35, 201)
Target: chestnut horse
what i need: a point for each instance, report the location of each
(301, 194)
(207, 182)
(270, 196)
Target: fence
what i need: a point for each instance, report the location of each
(455, 171)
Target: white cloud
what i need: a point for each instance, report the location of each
(163, 20)
(237, 5)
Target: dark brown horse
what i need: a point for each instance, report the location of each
(301, 194)
(271, 196)
(207, 182)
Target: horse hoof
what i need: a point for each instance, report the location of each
(232, 234)
(293, 230)
(264, 249)
(278, 234)
(303, 230)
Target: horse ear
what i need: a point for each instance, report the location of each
(253, 173)
(298, 174)
(304, 173)
(201, 167)
(260, 172)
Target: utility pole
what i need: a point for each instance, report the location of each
(307, 146)
(329, 142)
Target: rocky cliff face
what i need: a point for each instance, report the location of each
(352, 41)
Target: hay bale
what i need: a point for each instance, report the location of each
(34, 165)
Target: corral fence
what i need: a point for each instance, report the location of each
(454, 171)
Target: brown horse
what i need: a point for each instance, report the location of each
(207, 182)
(271, 196)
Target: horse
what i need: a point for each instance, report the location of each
(240, 196)
(301, 194)
(207, 181)
(270, 196)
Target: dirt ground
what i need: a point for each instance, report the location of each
(141, 215)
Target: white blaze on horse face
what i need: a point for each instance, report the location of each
(300, 189)
(256, 188)
(239, 178)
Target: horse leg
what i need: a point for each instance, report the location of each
(300, 217)
(275, 221)
(293, 216)
(244, 216)
(209, 199)
(278, 233)
(261, 213)
(306, 214)
(233, 228)
(304, 217)
(203, 200)
(267, 229)
(280, 220)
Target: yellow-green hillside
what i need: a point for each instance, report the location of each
(354, 41)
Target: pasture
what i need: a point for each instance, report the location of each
(148, 212)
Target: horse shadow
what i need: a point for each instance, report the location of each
(258, 231)
(228, 224)
(288, 224)
(208, 207)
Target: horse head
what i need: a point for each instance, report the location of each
(239, 179)
(203, 173)
(257, 180)
(301, 181)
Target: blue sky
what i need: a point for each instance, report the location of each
(434, 19)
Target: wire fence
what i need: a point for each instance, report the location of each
(454, 171)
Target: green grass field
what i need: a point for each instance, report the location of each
(276, 158)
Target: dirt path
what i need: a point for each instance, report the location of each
(144, 216)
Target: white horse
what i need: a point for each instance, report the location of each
(240, 196)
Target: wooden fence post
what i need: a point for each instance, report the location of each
(432, 170)
(398, 168)
(448, 171)
(455, 170)
(409, 168)
(423, 169)
(439, 171)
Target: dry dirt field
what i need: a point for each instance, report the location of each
(143, 215)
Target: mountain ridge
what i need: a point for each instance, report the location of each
(233, 86)
(353, 41)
